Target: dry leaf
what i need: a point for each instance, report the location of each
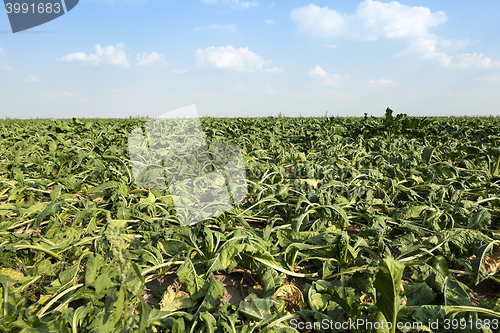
(492, 262)
(292, 295)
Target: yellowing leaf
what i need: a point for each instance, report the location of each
(11, 273)
(151, 198)
(173, 300)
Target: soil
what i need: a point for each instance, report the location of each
(486, 290)
(236, 285)
(169, 279)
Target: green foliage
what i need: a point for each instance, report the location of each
(332, 201)
(388, 284)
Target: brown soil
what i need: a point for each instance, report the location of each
(236, 286)
(486, 290)
(169, 279)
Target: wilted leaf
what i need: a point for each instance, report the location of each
(483, 264)
(292, 295)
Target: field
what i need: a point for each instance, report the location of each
(387, 222)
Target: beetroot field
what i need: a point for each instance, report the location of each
(374, 224)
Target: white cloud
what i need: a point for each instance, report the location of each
(150, 59)
(317, 72)
(276, 70)
(31, 78)
(198, 95)
(328, 79)
(269, 21)
(178, 71)
(331, 82)
(474, 60)
(223, 28)
(235, 4)
(427, 49)
(371, 21)
(382, 83)
(239, 86)
(238, 60)
(375, 20)
(449, 45)
(333, 46)
(113, 55)
(1, 51)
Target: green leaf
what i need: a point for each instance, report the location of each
(387, 283)
(456, 293)
(94, 264)
(418, 294)
(78, 315)
(102, 282)
(410, 212)
(209, 322)
(143, 315)
(134, 280)
(179, 326)
(56, 191)
(229, 252)
(379, 318)
(36, 208)
(45, 267)
(267, 278)
(330, 267)
(187, 275)
(119, 304)
(479, 220)
(256, 308)
(427, 154)
(212, 298)
(51, 209)
(105, 186)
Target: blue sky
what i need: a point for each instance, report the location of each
(116, 58)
